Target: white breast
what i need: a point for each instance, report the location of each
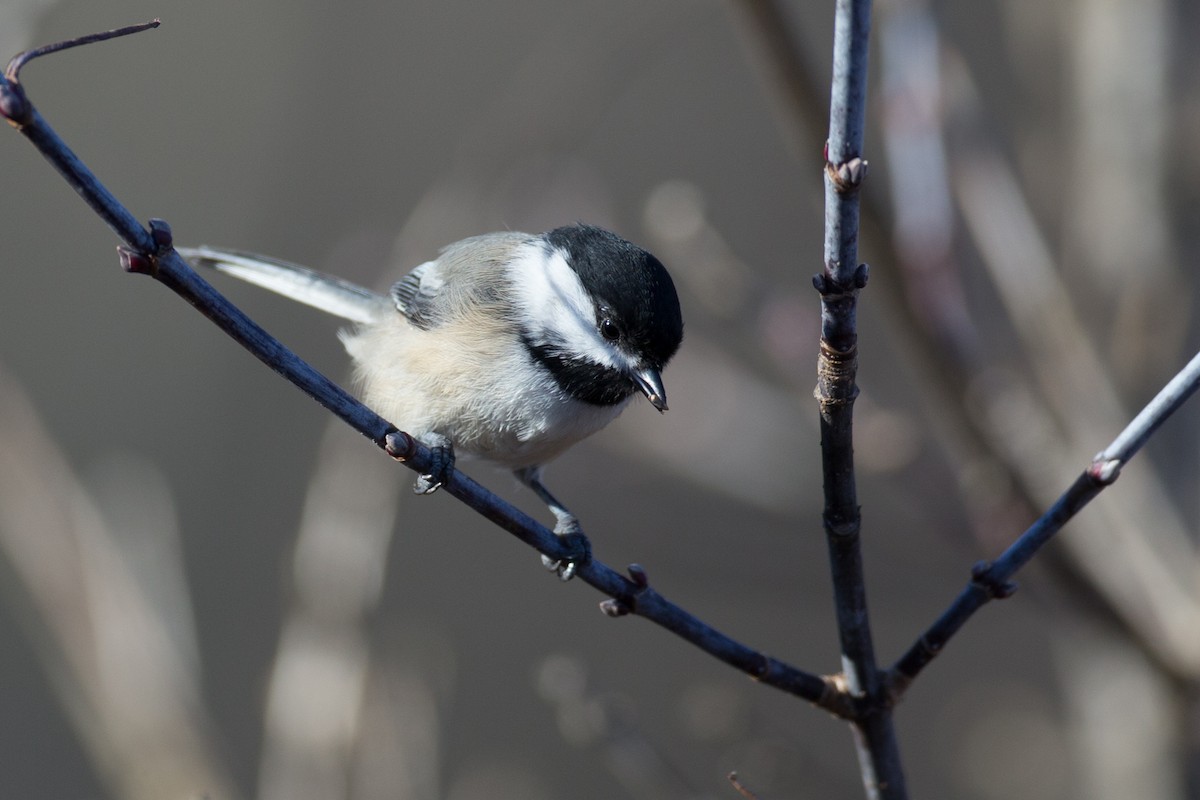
(472, 385)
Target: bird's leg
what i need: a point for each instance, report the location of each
(566, 526)
(442, 450)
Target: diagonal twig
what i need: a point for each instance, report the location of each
(13, 71)
(993, 580)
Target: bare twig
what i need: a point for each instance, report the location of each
(1168, 400)
(838, 284)
(150, 252)
(13, 71)
(992, 580)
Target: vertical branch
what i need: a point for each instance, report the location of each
(838, 284)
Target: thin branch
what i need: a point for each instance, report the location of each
(838, 362)
(993, 580)
(150, 252)
(13, 71)
(839, 284)
(1168, 400)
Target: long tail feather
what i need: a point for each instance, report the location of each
(331, 295)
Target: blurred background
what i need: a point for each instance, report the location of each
(209, 589)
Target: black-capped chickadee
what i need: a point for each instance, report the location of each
(508, 346)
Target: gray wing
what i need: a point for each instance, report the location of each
(329, 294)
(465, 275)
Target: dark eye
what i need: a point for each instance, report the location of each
(609, 330)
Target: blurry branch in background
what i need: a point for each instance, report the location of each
(1120, 254)
(1138, 553)
(150, 252)
(921, 331)
(1121, 118)
(777, 53)
(990, 580)
(317, 720)
(107, 613)
(1107, 320)
(1133, 564)
(325, 632)
(945, 342)
(1013, 440)
(607, 723)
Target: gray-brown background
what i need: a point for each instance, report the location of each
(356, 138)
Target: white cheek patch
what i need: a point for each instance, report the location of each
(554, 299)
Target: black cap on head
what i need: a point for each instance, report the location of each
(630, 286)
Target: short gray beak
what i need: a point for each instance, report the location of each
(649, 383)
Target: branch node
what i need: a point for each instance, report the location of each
(847, 176)
(160, 233)
(842, 527)
(139, 263)
(895, 684)
(399, 445)
(1105, 472)
(861, 275)
(13, 104)
(982, 577)
(838, 699)
(612, 607)
(835, 377)
(136, 263)
(830, 289)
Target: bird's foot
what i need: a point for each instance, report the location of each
(579, 549)
(442, 450)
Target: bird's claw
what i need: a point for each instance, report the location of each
(442, 450)
(579, 549)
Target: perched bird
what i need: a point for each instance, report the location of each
(508, 346)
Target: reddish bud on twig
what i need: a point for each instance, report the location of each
(399, 445)
(614, 608)
(135, 262)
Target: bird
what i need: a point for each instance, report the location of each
(510, 347)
